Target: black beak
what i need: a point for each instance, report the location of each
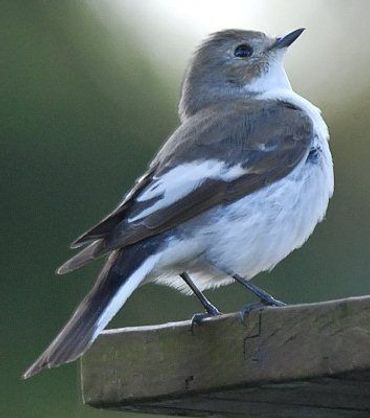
(287, 40)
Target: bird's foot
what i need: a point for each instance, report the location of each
(198, 318)
(247, 309)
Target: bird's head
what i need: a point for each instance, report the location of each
(232, 63)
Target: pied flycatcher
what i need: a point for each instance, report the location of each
(241, 183)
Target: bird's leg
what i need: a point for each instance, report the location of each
(211, 310)
(266, 298)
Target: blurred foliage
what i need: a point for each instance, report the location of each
(82, 113)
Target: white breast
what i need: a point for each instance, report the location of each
(263, 228)
(258, 231)
(255, 233)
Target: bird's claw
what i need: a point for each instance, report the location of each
(198, 318)
(247, 309)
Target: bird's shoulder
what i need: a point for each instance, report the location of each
(236, 128)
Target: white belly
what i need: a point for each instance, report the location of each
(260, 230)
(256, 232)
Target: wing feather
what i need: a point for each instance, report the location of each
(107, 224)
(214, 158)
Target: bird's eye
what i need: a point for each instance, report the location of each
(243, 51)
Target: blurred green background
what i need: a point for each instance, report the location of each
(88, 93)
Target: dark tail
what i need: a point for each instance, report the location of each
(122, 274)
(85, 256)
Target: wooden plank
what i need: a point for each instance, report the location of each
(278, 361)
(216, 408)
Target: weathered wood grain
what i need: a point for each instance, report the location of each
(305, 360)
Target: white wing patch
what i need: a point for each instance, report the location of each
(182, 180)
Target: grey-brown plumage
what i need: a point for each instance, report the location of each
(243, 132)
(233, 131)
(211, 77)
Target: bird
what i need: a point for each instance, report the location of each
(239, 185)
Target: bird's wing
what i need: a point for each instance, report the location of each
(107, 224)
(214, 158)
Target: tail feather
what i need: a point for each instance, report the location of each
(89, 253)
(122, 274)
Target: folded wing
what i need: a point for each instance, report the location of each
(219, 155)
